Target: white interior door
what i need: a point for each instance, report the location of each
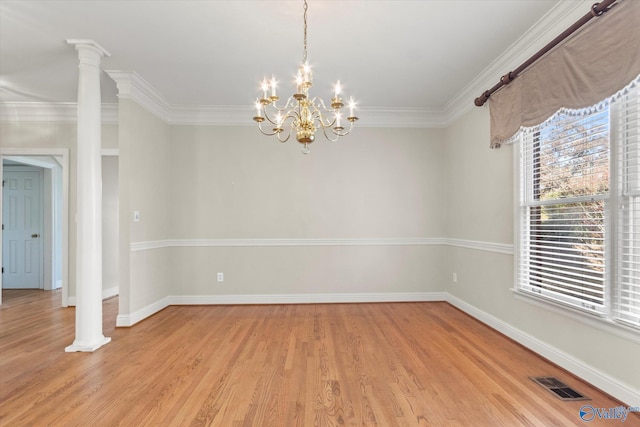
(22, 228)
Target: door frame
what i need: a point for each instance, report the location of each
(63, 154)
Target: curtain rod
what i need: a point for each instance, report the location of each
(596, 10)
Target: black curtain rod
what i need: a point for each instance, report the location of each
(596, 10)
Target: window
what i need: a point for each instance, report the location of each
(579, 210)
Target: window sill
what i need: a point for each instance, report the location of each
(604, 324)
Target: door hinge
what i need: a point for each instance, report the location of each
(2, 270)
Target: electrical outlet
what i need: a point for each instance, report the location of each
(220, 277)
(454, 278)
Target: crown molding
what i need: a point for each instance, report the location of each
(132, 86)
(554, 22)
(64, 112)
(220, 115)
(240, 115)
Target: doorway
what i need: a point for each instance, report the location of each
(54, 257)
(53, 165)
(32, 220)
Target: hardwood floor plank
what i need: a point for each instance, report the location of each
(395, 364)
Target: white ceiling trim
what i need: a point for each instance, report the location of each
(240, 115)
(50, 112)
(132, 86)
(220, 115)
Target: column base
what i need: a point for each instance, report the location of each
(87, 347)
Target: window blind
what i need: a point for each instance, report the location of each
(626, 125)
(564, 199)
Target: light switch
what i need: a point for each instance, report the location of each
(136, 216)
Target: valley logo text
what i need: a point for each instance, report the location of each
(589, 413)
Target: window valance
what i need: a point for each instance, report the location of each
(598, 61)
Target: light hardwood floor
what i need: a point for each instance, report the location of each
(391, 364)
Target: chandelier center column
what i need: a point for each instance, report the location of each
(89, 335)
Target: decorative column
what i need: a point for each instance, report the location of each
(89, 335)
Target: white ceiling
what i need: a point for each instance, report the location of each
(387, 54)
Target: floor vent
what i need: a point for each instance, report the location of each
(558, 388)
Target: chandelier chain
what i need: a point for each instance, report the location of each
(304, 55)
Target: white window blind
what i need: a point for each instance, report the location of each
(564, 197)
(626, 124)
(579, 220)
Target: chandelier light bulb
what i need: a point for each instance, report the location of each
(307, 72)
(302, 114)
(299, 82)
(258, 110)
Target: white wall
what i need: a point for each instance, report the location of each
(480, 205)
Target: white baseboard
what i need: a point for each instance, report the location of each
(613, 386)
(111, 292)
(133, 318)
(126, 320)
(306, 298)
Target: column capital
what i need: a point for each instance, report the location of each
(89, 44)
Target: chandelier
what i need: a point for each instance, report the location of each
(302, 114)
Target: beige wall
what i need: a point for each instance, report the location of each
(234, 183)
(144, 175)
(110, 227)
(329, 271)
(480, 206)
